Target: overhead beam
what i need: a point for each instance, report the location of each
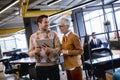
(23, 6)
(9, 31)
(67, 13)
(35, 13)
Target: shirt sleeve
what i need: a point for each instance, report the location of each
(57, 44)
(31, 47)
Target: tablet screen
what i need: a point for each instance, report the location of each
(46, 42)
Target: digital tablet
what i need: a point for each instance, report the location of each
(46, 42)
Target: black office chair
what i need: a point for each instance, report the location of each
(94, 54)
(100, 52)
(23, 55)
(9, 53)
(9, 68)
(23, 68)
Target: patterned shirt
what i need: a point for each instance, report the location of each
(42, 57)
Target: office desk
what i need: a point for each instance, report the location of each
(114, 44)
(100, 65)
(27, 60)
(4, 58)
(24, 65)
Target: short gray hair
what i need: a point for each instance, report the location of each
(65, 21)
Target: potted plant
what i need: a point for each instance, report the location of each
(107, 25)
(107, 22)
(107, 29)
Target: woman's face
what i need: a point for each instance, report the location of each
(63, 28)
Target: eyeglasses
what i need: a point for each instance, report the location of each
(61, 26)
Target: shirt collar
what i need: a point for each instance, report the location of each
(44, 32)
(68, 33)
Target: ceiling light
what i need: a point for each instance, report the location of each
(83, 5)
(12, 4)
(53, 2)
(16, 13)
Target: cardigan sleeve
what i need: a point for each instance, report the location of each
(78, 49)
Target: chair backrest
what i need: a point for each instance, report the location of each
(23, 55)
(18, 50)
(7, 64)
(100, 52)
(9, 68)
(9, 53)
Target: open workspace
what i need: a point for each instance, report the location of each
(59, 39)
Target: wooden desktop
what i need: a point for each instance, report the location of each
(114, 44)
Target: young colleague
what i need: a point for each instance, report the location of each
(46, 57)
(71, 50)
(95, 42)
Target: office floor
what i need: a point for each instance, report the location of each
(14, 77)
(62, 73)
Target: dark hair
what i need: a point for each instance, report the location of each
(93, 33)
(40, 18)
(86, 38)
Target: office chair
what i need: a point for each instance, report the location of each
(8, 67)
(23, 55)
(94, 54)
(23, 68)
(98, 53)
(9, 53)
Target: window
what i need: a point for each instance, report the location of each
(94, 21)
(117, 13)
(17, 41)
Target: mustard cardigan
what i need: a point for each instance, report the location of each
(73, 45)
